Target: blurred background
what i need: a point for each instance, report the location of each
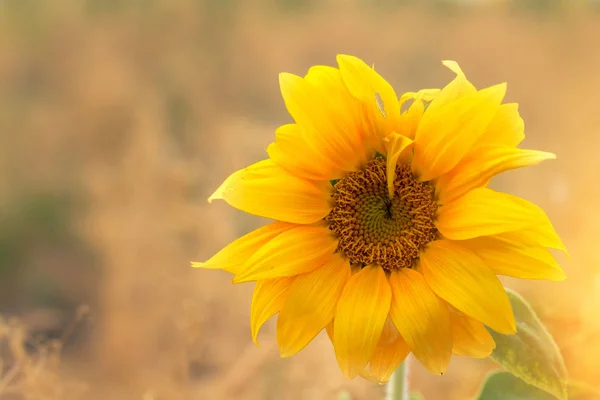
(119, 118)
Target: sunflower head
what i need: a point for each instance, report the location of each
(386, 233)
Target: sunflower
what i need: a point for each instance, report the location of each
(386, 234)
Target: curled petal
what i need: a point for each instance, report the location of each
(458, 87)
(397, 146)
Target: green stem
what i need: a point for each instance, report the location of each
(397, 388)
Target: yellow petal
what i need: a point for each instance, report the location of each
(268, 299)
(361, 313)
(469, 336)
(363, 82)
(328, 78)
(331, 85)
(372, 128)
(506, 129)
(329, 330)
(460, 277)
(328, 129)
(233, 256)
(479, 166)
(425, 95)
(311, 304)
(329, 82)
(541, 235)
(458, 87)
(422, 319)
(267, 190)
(391, 350)
(484, 211)
(396, 145)
(291, 151)
(295, 251)
(410, 119)
(517, 260)
(446, 134)
(373, 90)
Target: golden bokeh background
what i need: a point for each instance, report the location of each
(119, 118)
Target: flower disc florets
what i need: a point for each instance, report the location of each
(373, 228)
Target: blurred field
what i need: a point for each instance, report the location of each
(118, 118)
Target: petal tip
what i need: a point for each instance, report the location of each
(349, 373)
(509, 325)
(217, 195)
(452, 66)
(286, 78)
(449, 63)
(509, 329)
(439, 368)
(285, 353)
(344, 57)
(346, 61)
(239, 279)
(499, 91)
(559, 276)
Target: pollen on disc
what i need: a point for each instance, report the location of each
(371, 227)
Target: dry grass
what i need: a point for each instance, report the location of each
(31, 368)
(138, 112)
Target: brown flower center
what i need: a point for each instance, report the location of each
(374, 229)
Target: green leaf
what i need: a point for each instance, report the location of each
(505, 386)
(531, 354)
(416, 396)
